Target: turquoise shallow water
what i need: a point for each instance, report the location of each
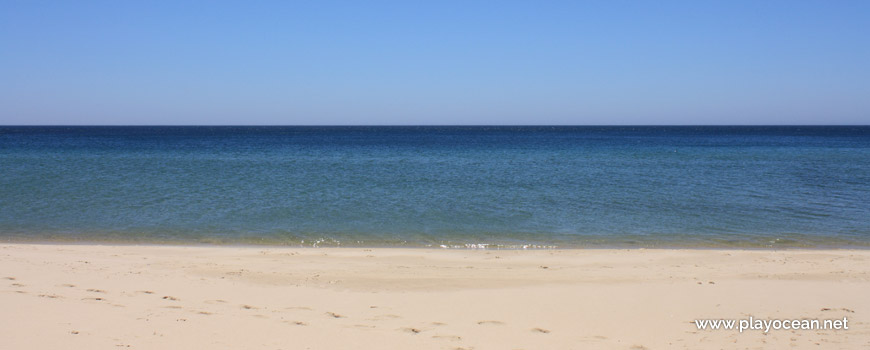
(433, 186)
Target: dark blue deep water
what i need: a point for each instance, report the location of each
(432, 186)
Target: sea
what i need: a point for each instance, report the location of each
(462, 187)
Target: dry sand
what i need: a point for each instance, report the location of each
(168, 297)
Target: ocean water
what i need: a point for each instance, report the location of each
(497, 187)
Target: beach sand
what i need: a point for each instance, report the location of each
(56, 296)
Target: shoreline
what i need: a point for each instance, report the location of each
(464, 246)
(82, 296)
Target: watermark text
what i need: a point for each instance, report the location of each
(766, 325)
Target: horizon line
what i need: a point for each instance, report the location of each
(423, 125)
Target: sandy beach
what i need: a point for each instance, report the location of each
(56, 296)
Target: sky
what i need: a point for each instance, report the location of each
(609, 62)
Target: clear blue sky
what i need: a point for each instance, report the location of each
(435, 62)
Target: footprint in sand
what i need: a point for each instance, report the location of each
(296, 323)
(50, 296)
(92, 290)
(95, 299)
(334, 315)
(540, 330)
(249, 307)
(494, 323)
(411, 330)
(823, 309)
(9, 278)
(170, 298)
(67, 285)
(19, 285)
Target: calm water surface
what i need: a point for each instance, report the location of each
(433, 186)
